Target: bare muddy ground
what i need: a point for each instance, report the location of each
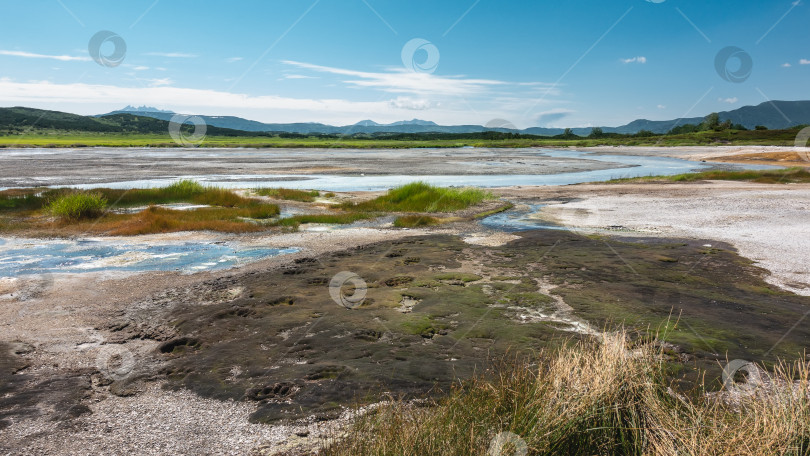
(59, 357)
(263, 359)
(30, 167)
(271, 344)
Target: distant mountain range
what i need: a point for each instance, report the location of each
(144, 119)
(771, 114)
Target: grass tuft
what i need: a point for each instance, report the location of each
(416, 221)
(422, 197)
(185, 188)
(229, 212)
(77, 206)
(336, 219)
(305, 196)
(606, 397)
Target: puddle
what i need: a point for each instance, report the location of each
(520, 218)
(22, 257)
(623, 166)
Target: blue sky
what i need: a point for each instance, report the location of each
(533, 63)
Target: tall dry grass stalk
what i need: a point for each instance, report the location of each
(600, 397)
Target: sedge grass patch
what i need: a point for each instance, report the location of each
(227, 211)
(78, 206)
(305, 196)
(415, 221)
(423, 197)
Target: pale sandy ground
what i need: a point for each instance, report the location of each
(769, 224)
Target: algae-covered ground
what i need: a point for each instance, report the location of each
(435, 309)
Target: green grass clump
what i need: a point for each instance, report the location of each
(335, 219)
(183, 191)
(27, 199)
(422, 197)
(185, 188)
(775, 176)
(415, 221)
(228, 211)
(78, 206)
(305, 196)
(607, 396)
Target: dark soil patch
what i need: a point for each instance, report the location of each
(326, 355)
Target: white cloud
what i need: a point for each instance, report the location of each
(804, 62)
(233, 59)
(30, 55)
(160, 82)
(413, 104)
(95, 98)
(174, 55)
(297, 76)
(662, 107)
(786, 65)
(639, 59)
(401, 80)
(728, 100)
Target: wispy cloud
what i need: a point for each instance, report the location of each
(297, 76)
(639, 59)
(136, 67)
(31, 55)
(94, 98)
(401, 80)
(804, 62)
(233, 59)
(786, 65)
(158, 82)
(173, 55)
(662, 107)
(412, 104)
(728, 100)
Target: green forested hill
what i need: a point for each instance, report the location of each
(20, 120)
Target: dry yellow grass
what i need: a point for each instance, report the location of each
(602, 397)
